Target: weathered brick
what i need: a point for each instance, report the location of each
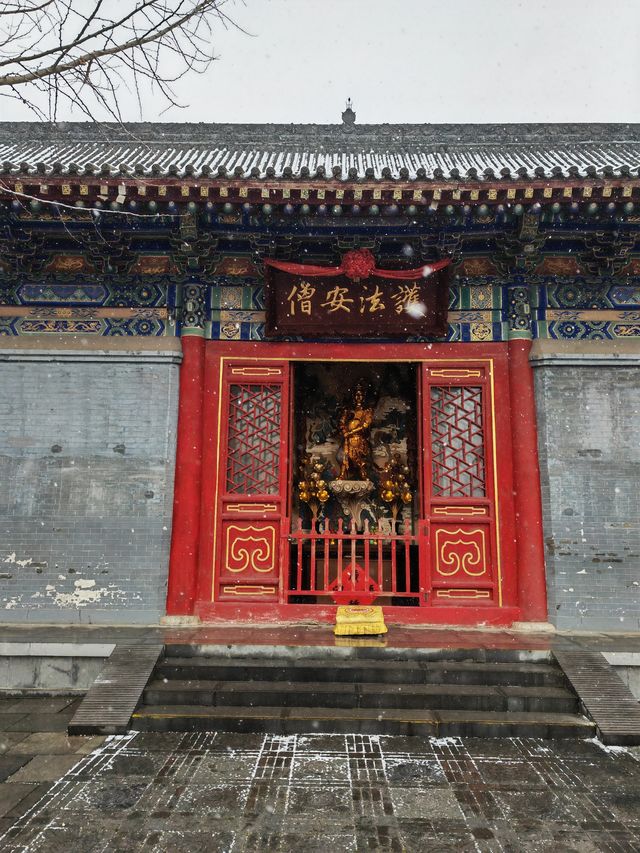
(87, 455)
(588, 428)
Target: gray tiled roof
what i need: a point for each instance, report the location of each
(392, 152)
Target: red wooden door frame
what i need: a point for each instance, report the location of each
(465, 562)
(216, 353)
(247, 520)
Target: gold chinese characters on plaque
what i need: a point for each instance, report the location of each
(338, 306)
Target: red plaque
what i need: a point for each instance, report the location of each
(330, 302)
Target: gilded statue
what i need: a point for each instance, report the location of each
(355, 423)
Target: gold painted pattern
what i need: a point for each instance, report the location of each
(459, 510)
(252, 508)
(472, 562)
(83, 313)
(455, 373)
(249, 590)
(256, 371)
(481, 331)
(472, 315)
(481, 296)
(630, 315)
(463, 593)
(248, 551)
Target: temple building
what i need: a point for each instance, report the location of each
(251, 372)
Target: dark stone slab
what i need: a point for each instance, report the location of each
(40, 723)
(11, 793)
(53, 743)
(44, 704)
(8, 720)
(33, 797)
(9, 764)
(7, 706)
(9, 741)
(44, 768)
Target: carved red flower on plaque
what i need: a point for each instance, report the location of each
(358, 264)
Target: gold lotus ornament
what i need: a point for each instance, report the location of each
(312, 487)
(394, 488)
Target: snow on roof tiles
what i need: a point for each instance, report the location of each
(382, 152)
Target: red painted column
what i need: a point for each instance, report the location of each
(532, 587)
(183, 563)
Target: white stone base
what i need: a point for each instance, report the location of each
(533, 627)
(180, 621)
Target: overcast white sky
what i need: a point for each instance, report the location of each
(415, 61)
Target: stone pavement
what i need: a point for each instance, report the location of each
(35, 750)
(245, 792)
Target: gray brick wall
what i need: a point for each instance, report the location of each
(589, 442)
(87, 455)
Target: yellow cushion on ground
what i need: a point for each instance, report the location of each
(361, 642)
(354, 620)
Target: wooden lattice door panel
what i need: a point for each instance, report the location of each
(253, 439)
(252, 481)
(457, 441)
(459, 492)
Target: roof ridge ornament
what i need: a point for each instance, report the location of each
(348, 116)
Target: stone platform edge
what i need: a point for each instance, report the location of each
(84, 348)
(571, 353)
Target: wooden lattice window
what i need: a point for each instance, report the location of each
(457, 436)
(253, 447)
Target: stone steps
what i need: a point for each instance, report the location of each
(289, 694)
(359, 671)
(462, 692)
(386, 721)
(346, 653)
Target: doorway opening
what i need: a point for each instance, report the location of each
(355, 484)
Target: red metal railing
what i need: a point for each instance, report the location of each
(346, 566)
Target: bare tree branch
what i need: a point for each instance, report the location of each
(24, 8)
(80, 52)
